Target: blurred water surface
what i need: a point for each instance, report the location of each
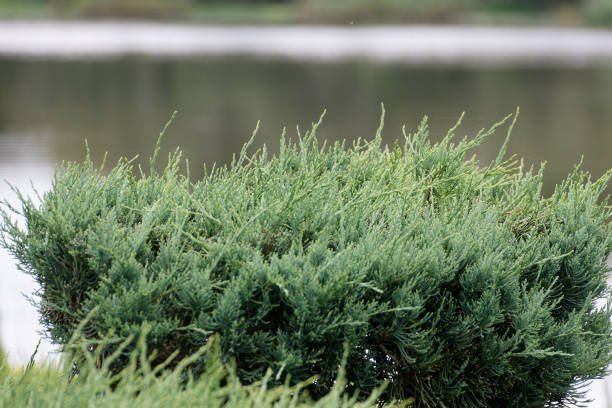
(50, 104)
(413, 44)
(49, 107)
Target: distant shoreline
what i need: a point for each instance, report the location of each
(419, 44)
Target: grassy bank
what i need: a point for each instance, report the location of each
(564, 13)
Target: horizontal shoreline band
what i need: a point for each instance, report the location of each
(402, 44)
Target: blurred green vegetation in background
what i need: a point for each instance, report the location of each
(3, 362)
(547, 12)
(600, 12)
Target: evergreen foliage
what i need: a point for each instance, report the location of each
(458, 284)
(138, 384)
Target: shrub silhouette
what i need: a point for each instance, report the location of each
(458, 284)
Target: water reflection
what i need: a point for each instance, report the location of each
(120, 106)
(408, 44)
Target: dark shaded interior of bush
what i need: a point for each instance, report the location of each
(456, 282)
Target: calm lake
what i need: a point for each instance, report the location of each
(50, 103)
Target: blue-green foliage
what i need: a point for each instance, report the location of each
(138, 384)
(457, 283)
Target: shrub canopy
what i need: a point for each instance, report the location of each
(138, 384)
(458, 284)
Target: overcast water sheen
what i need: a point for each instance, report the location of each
(115, 84)
(413, 44)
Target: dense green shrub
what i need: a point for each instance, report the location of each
(459, 284)
(140, 385)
